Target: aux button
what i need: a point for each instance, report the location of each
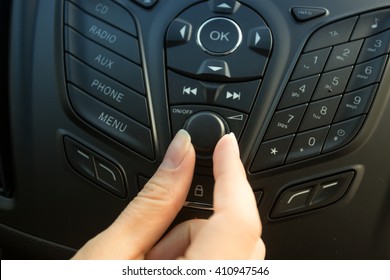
(219, 36)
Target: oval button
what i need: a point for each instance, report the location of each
(219, 36)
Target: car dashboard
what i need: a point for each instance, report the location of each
(96, 90)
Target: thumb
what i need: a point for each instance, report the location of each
(148, 216)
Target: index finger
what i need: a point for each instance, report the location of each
(232, 191)
(234, 199)
(234, 230)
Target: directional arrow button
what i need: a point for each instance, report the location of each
(179, 32)
(215, 68)
(225, 6)
(260, 40)
(257, 38)
(183, 32)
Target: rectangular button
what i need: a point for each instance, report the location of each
(375, 46)
(107, 90)
(80, 158)
(340, 134)
(332, 83)
(332, 34)
(238, 96)
(285, 122)
(201, 192)
(109, 176)
(343, 55)
(118, 126)
(320, 113)
(104, 60)
(102, 33)
(292, 201)
(355, 103)
(310, 63)
(367, 73)
(272, 153)
(184, 90)
(94, 167)
(109, 12)
(307, 144)
(372, 23)
(298, 92)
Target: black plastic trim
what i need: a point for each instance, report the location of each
(5, 156)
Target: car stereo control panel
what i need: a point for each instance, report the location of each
(303, 85)
(216, 55)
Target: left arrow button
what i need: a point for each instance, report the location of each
(179, 32)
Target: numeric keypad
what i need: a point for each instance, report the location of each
(330, 90)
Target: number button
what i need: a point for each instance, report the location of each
(332, 83)
(343, 55)
(311, 63)
(285, 122)
(298, 92)
(320, 113)
(307, 144)
(375, 46)
(355, 103)
(367, 73)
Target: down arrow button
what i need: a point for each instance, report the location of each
(214, 68)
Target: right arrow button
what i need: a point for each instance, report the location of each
(260, 40)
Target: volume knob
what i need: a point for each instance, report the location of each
(206, 128)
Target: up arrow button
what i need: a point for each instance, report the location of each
(224, 6)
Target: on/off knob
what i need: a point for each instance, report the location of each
(206, 128)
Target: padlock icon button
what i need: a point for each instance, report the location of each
(199, 191)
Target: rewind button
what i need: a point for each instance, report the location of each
(184, 90)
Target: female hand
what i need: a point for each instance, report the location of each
(232, 232)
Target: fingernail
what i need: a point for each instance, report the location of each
(177, 150)
(235, 143)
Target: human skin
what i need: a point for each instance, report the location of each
(232, 232)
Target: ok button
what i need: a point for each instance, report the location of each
(219, 36)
